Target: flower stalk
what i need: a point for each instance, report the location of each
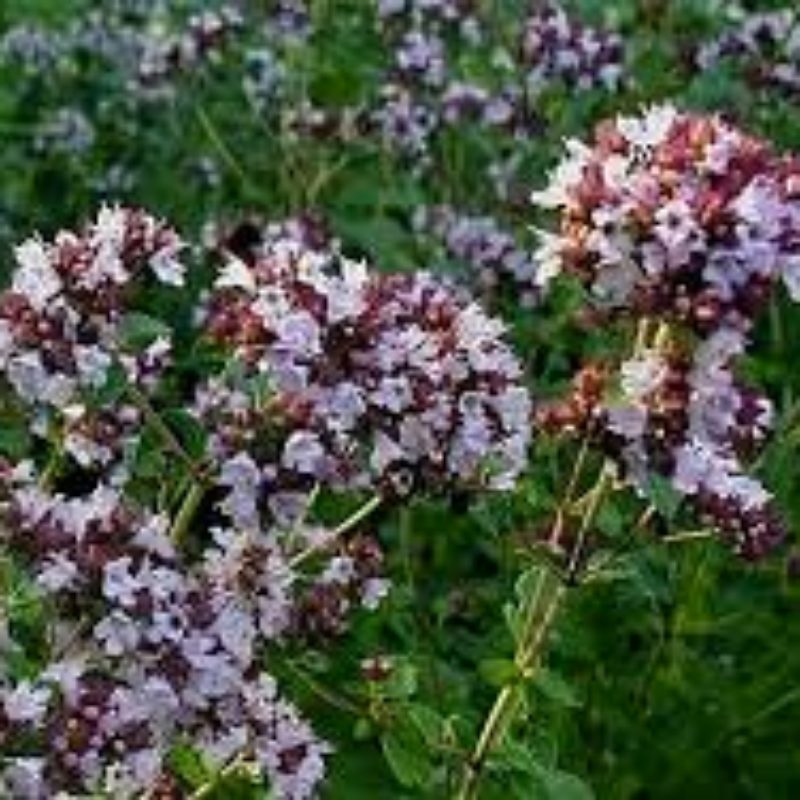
(539, 616)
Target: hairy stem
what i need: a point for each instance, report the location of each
(538, 620)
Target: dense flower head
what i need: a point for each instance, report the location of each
(60, 319)
(676, 215)
(66, 131)
(420, 57)
(396, 380)
(685, 417)
(554, 46)
(151, 646)
(426, 13)
(353, 577)
(147, 45)
(150, 642)
(249, 240)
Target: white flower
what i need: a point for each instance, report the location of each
(110, 226)
(243, 476)
(790, 273)
(565, 176)
(35, 277)
(548, 257)
(154, 537)
(236, 631)
(236, 275)
(304, 453)
(23, 779)
(627, 420)
(640, 376)
(167, 267)
(650, 130)
(299, 333)
(375, 590)
(59, 573)
(26, 704)
(119, 585)
(385, 453)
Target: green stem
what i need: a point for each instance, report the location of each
(222, 149)
(239, 764)
(52, 468)
(191, 502)
(537, 624)
(358, 516)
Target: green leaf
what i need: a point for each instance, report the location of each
(498, 671)
(188, 764)
(610, 520)
(191, 434)
(14, 441)
(138, 331)
(564, 786)
(427, 721)
(402, 682)
(407, 754)
(555, 688)
(663, 496)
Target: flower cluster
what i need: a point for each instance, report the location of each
(766, 43)
(491, 252)
(555, 46)
(132, 40)
(252, 239)
(676, 215)
(687, 418)
(685, 223)
(353, 578)
(66, 131)
(425, 94)
(158, 621)
(202, 37)
(148, 650)
(387, 381)
(437, 15)
(61, 321)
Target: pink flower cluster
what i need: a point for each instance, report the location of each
(683, 221)
(694, 422)
(132, 40)
(150, 643)
(61, 320)
(675, 215)
(380, 381)
(204, 35)
(251, 239)
(148, 650)
(687, 418)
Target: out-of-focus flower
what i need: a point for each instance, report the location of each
(492, 252)
(555, 46)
